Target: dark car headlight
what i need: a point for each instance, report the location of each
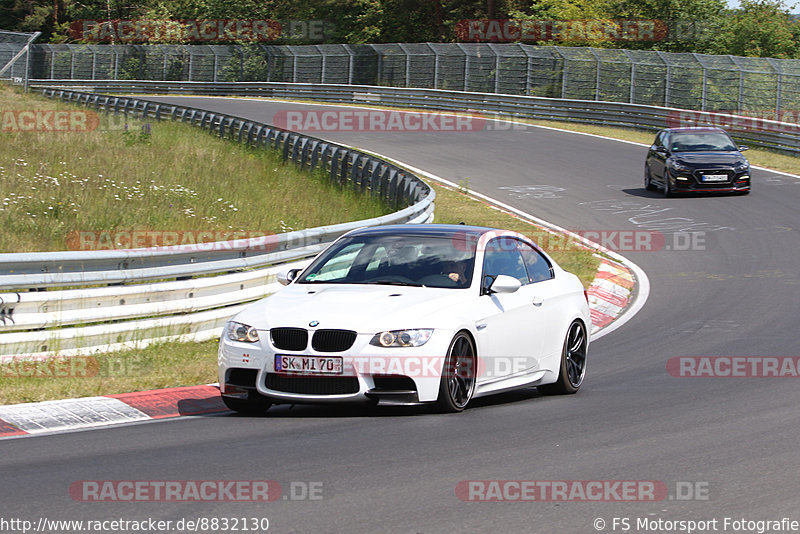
(741, 166)
(241, 332)
(679, 166)
(402, 338)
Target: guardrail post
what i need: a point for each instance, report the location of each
(334, 165)
(287, 142)
(375, 179)
(297, 149)
(319, 148)
(355, 172)
(345, 167)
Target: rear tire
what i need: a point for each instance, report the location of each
(254, 404)
(573, 363)
(458, 375)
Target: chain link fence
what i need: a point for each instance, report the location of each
(14, 56)
(680, 80)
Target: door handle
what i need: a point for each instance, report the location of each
(537, 301)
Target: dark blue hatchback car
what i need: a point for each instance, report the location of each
(696, 160)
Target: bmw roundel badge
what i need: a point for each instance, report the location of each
(312, 324)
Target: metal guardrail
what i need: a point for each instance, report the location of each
(779, 136)
(90, 319)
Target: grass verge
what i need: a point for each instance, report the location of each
(149, 177)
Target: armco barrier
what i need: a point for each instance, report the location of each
(98, 312)
(774, 135)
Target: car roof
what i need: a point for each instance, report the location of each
(431, 230)
(695, 129)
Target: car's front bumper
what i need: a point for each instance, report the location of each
(692, 182)
(390, 376)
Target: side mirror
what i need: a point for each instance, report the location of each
(661, 150)
(502, 284)
(742, 148)
(287, 277)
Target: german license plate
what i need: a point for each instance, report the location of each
(715, 177)
(321, 365)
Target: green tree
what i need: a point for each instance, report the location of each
(690, 25)
(760, 28)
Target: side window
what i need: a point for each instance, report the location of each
(503, 257)
(661, 138)
(538, 267)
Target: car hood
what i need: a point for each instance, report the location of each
(364, 308)
(709, 158)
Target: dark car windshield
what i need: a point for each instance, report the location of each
(701, 142)
(413, 260)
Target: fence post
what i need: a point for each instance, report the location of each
(741, 92)
(351, 65)
(28, 60)
(705, 79)
(379, 74)
(597, 74)
(216, 63)
(324, 57)
(633, 83)
(466, 66)
(528, 75)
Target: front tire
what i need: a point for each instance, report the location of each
(573, 363)
(667, 187)
(648, 180)
(254, 404)
(458, 375)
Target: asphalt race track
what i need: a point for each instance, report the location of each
(732, 441)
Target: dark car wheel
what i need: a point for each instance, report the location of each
(648, 180)
(573, 363)
(667, 187)
(458, 375)
(254, 404)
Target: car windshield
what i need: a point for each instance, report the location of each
(701, 142)
(407, 260)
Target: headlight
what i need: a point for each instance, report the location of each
(678, 166)
(402, 338)
(241, 332)
(739, 167)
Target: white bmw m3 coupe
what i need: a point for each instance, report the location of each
(407, 315)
